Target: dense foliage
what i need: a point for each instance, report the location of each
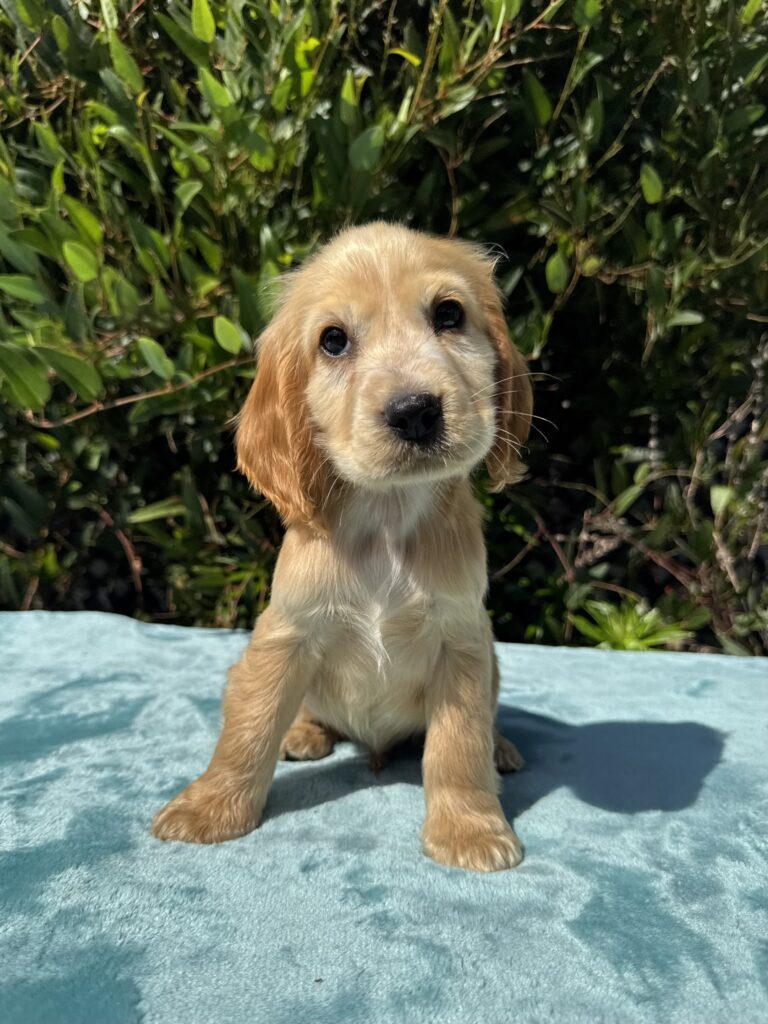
(161, 163)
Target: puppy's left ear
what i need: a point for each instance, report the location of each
(275, 445)
(514, 397)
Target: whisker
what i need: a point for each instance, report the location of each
(516, 376)
(535, 416)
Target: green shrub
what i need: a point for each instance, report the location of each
(161, 163)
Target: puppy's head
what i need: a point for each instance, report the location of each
(388, 362)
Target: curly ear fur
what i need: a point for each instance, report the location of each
(275, 446)
(514, 398)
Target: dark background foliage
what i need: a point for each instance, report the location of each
(161, 163)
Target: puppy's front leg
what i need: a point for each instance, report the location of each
(465, 825)
(263, 694)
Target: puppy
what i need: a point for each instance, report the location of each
(385, 377)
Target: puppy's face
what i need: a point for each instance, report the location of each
(401, 365)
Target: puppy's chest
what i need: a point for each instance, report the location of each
(388, 624)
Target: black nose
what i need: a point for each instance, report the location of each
(415, 418)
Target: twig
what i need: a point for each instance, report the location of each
(11, 552)
(724, 558)
(134, 560)
(168, 389)
(570, 575)
(136, 6)
(32, 46)
(567, 87)
(429, 57)
(29, 593)
(518, 557)
(449, 170)
(616, 145)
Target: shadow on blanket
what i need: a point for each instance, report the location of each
(624, 767)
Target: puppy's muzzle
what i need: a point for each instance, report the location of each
(417, 419)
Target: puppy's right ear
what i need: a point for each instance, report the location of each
(275, 447)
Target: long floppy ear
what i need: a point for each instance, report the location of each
(275, 447)
(514, 398)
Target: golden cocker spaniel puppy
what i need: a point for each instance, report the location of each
(384, 378)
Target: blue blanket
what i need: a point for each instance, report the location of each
(643, 896)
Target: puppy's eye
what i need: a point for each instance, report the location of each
(448, 315)
(334, 342)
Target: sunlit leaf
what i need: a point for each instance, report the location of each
(26, 375)
(203, 24)
(228, 335)
(539, 102)
(651, 184)
(81, 261)
(126, 68)
(155, 357)
(557, 272)
(74, 371)
(365, 150)
(20, 286)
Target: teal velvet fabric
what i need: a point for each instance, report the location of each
(643, 896)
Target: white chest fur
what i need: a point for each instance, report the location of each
(380, 648)
(379, 598)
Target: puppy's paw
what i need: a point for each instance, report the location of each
(307, 741)
(202, 813)
(495, 848)
(506, 756)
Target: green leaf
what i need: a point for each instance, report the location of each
(203, 25)
(592, 125)
(30, 13)
(627, 498)
(655, 289)
(228, 335)
(449, 47)
(749, 10)
(261, 152)
(557, 272)
(651, 184)
(248, 296)
(19, 255)
(215, 92)
(720, 498)
(155, 358)
(19, 286)
(108, 14)
(126, 68)
(410, 57)
(81, 261)
(539, 104)
(349, 100)
(586, 13)
(365, 150)
(185, 193)
(26, 375)
(685, 318)
(500, 11)
(195, 51)
(587, 628)
(48, 142)
(75, 372)
(86, 222)
(125, 299)
(211, 252)
(168, 508)
(590, 266)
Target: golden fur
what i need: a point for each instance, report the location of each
(376, 628)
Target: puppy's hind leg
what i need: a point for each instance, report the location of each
(308, 739)
(506, 756)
